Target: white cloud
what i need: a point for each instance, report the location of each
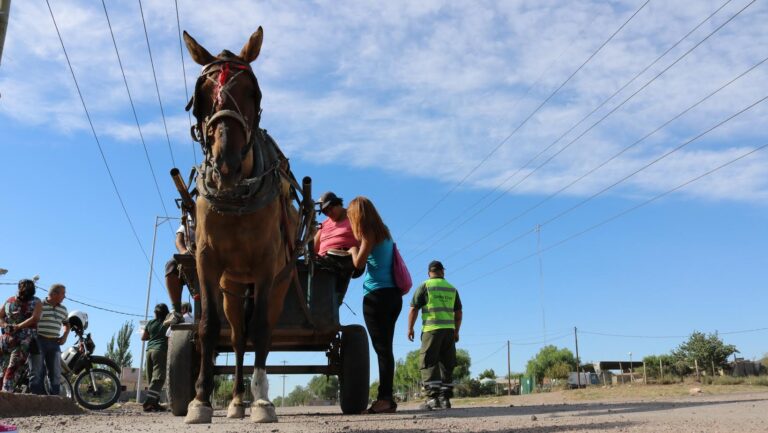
(399, 84)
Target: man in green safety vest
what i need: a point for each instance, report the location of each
(441, 319)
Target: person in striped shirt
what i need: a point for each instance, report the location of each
(49, 341)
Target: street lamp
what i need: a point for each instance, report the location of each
(631, 372)
(158, 221)
(3, 271)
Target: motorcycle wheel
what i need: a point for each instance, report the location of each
(97, 389)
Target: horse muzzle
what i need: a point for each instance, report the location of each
(224, 176)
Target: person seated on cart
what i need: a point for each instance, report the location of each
(335, 233)
(174, 280)
(333, 239)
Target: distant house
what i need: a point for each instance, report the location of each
(129, 378)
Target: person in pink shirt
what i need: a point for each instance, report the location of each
(335, 236)
(335, 232)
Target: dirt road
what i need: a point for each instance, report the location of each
(553, 412)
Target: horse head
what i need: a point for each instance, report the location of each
(227, 106)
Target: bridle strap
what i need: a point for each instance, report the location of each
(221, 114)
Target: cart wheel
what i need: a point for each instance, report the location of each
(183, 365)
(354, 378)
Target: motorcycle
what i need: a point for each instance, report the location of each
(96, 385)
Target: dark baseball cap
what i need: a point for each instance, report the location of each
(435, 265)
(328, 199)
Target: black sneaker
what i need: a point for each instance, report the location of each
(430, 404)
(445, 402)
(173, 318)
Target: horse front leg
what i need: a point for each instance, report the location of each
(199, 410)
(269, 307)
(234, 294)
(262, 409)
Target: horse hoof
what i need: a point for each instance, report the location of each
(198, 413)
(263, 412)
(235, 410)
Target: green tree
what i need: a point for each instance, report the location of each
(468, 387)
(222, 389)
(373, 391)
(300, 396)
(489, 373)
(408, 374)
(324, 387)
(121, 354)
(764, 362)
(463, 363)
(551, 362)
(708, 350)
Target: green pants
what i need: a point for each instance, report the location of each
(155, 373)
(437, 358)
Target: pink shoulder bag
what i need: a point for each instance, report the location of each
(402, 276)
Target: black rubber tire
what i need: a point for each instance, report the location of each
(105, 374)
(354, 376)
(106, 362)
(183, 364)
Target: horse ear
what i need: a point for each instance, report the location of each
(252, 48)
(200, 55)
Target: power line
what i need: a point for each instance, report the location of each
(157, 87)
(619, 215)
(82, 303)
(516, 217)
(133, 108)
(96, 138)
(605, 334)
(184, 74)
(483, 161)
(544, 71)
(609, 113)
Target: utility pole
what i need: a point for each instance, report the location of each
(509, 372)
(282, 401)
(578, 363)
(5, 10)
(158, 220)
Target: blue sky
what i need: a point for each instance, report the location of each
(400, 102)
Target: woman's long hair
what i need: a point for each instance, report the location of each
(366, 222)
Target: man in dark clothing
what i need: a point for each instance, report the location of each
(441, 317)
(157, 348)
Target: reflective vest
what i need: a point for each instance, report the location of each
(438, 313)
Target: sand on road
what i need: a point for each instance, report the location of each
(551, 412)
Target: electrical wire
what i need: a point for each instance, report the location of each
(133, 108)
(605, 334)
(525, 212)
(96, 138)
(83, 303)
(619, 215)
(493, 151)
(184, 74)
(528, 89)
(157, 87)
(592, 126)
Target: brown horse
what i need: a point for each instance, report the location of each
(245, 225)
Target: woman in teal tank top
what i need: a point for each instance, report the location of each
(382, 301)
